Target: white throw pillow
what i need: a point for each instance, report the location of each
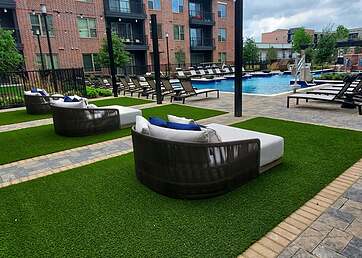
(142, 125)
(213, 137)
(180, 120)
(29, 93)
(178, 135)
(61, 103)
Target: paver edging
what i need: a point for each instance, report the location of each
(304, 214)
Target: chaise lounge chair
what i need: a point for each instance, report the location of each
(342, 97)
(189, 91)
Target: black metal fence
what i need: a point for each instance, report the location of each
(63, 81)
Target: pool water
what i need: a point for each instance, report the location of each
(256, 85)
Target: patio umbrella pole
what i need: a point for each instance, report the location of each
(238, 58)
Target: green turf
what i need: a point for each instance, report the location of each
(42, 140)
(122, 101)
(13, 117)
(102, 210)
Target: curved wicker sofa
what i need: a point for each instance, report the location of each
(37, 105)
(194, 170)
(84, 121)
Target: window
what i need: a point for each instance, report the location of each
(177, 6)
(159, 30)
(222, 57)
(154, 4)
(89, 63)
(222, 35)
(221, 10)
(37, 23)
(87, 27)
(195, 9)
(178, 32)
(47, 62)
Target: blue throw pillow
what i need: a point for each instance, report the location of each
(34, 90)
(67, 99)
(157, 121)
(75, 99)
(178, 126)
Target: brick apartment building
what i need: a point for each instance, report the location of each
(282, 36)
(198, 30)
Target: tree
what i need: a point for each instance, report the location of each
(10, 57)
(342, 33)
(271, 55)
(121, 56)
(250, 52)
(301, 39)
(309, 55)
(326, 48)
(180, 57)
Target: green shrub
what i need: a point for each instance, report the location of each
(93, 92)
(104, 92)
(333, 76)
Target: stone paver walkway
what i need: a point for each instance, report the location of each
(29, 169)
(275, 107)
(327, 226)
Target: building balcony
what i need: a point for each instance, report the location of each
(130, 10)
(202, 44)
(135, 42)
(201, 18)
(7, 4)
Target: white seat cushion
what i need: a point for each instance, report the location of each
(271, 146)
(127, 115)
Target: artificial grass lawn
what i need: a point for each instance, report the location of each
(102, 210)
(13, 117)
(41, 140)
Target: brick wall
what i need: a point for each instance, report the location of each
(168, 19)
(227, 23)
(275, 37)
(66, 42)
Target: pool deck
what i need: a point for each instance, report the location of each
(313, 112)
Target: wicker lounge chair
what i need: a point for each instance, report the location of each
(189, 91)
(37, 104)
(87, 121)
(200, 170)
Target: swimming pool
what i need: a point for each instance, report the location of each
(256, 85)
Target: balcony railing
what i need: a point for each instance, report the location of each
(134, 42)
(7, 4)
(201, 43)
(201, 17)
(126, 9)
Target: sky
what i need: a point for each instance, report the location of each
(268, 15)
